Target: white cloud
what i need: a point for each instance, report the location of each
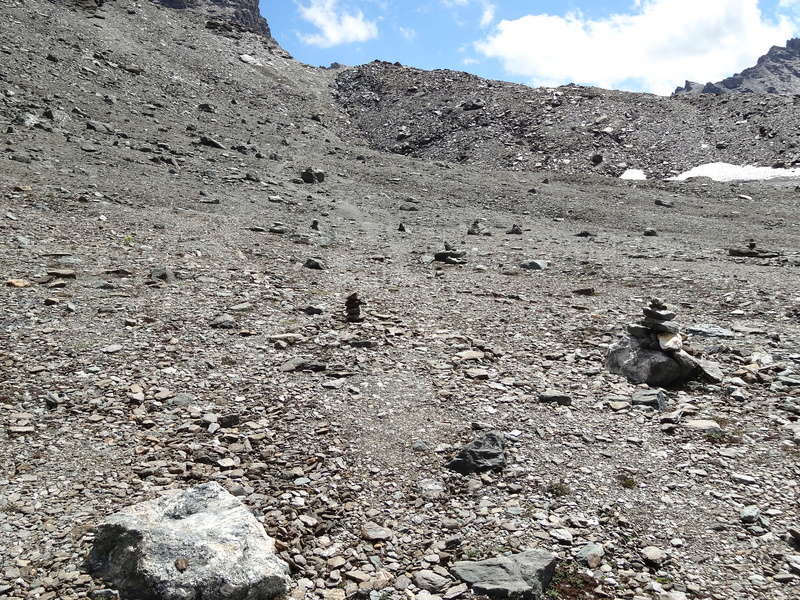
(487, 8)
(408, 33)
(655, 48)
(336, 25)
(488, 14)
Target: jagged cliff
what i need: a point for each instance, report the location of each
(777, 72)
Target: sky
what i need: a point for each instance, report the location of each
(638, 45)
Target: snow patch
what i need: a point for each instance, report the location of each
(727, 172)
(634, 175)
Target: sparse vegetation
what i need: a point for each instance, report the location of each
(559, 489)
(569, 583)
(724, 437)
(11, 508)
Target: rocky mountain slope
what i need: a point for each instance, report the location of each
(178, 310)
(454, 116)
(777, 72)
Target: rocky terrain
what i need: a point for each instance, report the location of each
(777, 72)
(186, 215)
(458, 117)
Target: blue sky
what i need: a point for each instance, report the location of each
(640, 45)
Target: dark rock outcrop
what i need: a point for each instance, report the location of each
(241, 14)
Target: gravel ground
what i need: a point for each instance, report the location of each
(157, 307)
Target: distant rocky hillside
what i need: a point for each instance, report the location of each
(777, 72)
(458, 117)
(242, 14)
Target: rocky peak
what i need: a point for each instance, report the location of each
(792, 49)
(241, 14)
(776, 72)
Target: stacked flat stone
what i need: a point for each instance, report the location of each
(658, 327)
(353, 308)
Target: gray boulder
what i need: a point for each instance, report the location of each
(197, 544)
(591, 555)
(534, 265)
(639, 363)
(431, 581)
(224, 321)
(526, 575)
(310, 175)
(162, 274)
(750, 514)
(551, 396)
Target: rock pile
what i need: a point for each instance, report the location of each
(475, 228)
(752, 251)
(617, 129)
(653, 351)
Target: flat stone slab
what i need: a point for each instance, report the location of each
(526, 575)
(710, 330)
(704, 425)
(656, 398)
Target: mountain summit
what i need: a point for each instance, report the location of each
(777, 72)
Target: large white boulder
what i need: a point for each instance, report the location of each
(200, 543)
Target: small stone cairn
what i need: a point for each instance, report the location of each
(658, 321)
(653, 352)
(353, 308)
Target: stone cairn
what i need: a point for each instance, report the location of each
(653, 352)
(659, 321)
(353, 308)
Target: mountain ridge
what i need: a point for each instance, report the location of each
(776, 72)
